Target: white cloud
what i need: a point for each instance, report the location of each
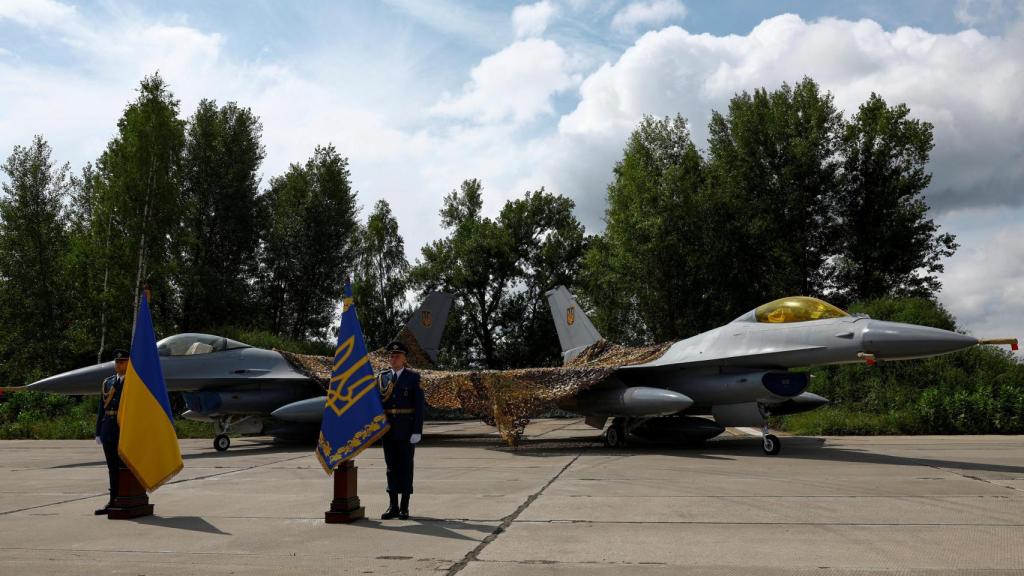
(984, 284)
(36, 13)
(975, 12)
(648, 14)
(532, 19)
(967, 84)
(517, 83)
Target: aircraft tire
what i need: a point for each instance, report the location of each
(772, 444)
(615, 436)
(221, 442)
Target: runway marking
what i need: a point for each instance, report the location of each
(474, 554)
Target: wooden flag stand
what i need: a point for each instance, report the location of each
(345, 507)
(131, 500)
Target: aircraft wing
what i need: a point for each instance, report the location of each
(780, 358)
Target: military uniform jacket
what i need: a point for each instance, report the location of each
(106, 414)
(403, 402)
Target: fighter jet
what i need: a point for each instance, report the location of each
(739, 373)
(236, 386)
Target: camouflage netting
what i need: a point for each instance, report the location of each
(508, 398)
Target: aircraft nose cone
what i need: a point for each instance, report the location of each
(81, 381)
(895, 340)
(308, 410)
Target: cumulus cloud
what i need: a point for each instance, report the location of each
(967, 84)
(37, 13)
(984, 284)
(647, 14)
(514, 84)
(532, 19)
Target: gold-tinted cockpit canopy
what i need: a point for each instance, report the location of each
(796, 309)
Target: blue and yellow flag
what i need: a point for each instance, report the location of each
(353, 414)
(148, 444)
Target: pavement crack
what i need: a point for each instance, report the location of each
(507, 521)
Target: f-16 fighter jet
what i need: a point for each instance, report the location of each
(738, 373)
(236, 386)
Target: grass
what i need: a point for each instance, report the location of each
(41, 416)
(840, 421)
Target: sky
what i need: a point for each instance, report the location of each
(420, 95)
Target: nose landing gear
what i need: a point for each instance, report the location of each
(772, 444)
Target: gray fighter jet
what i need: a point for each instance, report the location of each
(236, 386)
(738, 373)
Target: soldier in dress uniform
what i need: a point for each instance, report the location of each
(404, 405)
(107, 430)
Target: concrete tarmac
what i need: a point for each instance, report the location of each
(560, 504)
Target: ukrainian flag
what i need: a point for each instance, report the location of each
(353, 413)
(148, 444)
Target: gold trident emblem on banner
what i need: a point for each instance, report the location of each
(570, 315)
(426, 318)
(343, 392)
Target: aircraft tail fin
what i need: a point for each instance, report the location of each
(425, 327)
(575, 331)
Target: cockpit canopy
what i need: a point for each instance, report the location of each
(190, 344)
(796, 309)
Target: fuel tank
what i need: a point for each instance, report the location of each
(633, 401)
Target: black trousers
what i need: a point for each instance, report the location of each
(113, 464)
(398, 456)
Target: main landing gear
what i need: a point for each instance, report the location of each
(615, 435)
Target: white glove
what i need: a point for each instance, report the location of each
(415, 438)
(98, 441)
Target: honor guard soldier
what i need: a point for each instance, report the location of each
(404, 405)
(107, 431)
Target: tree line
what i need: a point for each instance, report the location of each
(790, 197)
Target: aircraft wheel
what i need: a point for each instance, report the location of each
(615, 436)
(772, 444)
(222, 442)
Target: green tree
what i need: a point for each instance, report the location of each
(381, 277)
(774, 154)
(498, 270)
(131, 202)
(647, 274)
(33, 251)
(889, 246)
(220, 216)
(549, 242)
(309, 244)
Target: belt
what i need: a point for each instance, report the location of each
(395, 411)
(111, 412)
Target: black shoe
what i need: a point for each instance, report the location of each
(403, 514)
(102, 511)
(390, 513)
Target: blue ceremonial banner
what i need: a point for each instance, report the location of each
(353, 414)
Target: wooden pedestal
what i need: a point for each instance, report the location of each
(131, 500)
(345, 507)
